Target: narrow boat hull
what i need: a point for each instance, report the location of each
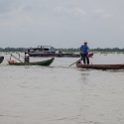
(40, 63)
(1, 59)
(100, 66)
(56, 55)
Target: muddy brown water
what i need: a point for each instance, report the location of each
(60, 94)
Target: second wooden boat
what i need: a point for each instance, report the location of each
(40, 63)
(100, 66)
(1, 59)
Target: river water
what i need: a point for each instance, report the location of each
(60, 94)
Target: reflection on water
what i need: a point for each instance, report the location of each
(60, 94)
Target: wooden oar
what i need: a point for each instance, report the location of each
(20, 55)
(16, 58)
(75, 62)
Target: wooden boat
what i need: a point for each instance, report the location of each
(100, 66)
(1, 59)
(40, 63)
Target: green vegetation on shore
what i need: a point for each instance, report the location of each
(67, 50)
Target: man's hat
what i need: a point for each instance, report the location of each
(85, 42)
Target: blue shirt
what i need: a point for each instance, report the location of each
(84, 49)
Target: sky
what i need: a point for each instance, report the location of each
(62, 23)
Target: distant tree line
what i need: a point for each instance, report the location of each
(11, 49)
(21, 49)
(108, 49)
(92, 50)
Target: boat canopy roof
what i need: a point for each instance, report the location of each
(43, 47)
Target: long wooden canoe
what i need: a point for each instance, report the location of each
(40, 63)
(100, 66)
(1, 59)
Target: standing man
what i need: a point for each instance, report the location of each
(26, 58)
(84, 53)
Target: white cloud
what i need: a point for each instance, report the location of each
(107, 15)
(99, 11)
(122, 27)
(15, 19)
(79, 11)
(60, 9)
(76, 11)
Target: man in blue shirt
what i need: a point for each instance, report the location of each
(84, 53)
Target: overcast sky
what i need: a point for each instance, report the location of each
(62, 23)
